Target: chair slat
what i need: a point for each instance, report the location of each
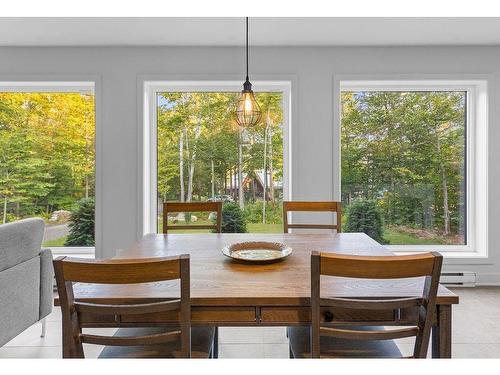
(192, 206)
(312, 226)
(377, 267)
(121, 271)
(143, 308)
(372, 304)
(132, 340)
(304, 206)
(191, 226)
(352, 334)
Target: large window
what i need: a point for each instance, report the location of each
(405, 158)
(203, 155)
(47, 159)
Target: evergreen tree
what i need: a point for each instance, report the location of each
(82, 224)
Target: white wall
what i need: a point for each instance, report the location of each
(310, 69)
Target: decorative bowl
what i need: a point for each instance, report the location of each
(257, 251)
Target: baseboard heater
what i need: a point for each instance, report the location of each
(464, 279)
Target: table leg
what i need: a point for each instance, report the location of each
(215, 349)
(441, 333)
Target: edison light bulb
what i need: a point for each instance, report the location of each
(248, 104)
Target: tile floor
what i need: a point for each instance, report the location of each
(476, 334)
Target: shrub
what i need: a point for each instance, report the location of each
(233, 220)
(364, 216)
(82, 224)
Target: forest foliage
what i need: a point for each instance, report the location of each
(403, 150)
(204, 154)
(46, 152)
(406, 150)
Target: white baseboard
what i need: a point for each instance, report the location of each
(488, 279)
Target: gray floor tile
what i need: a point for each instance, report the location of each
(276, 351)
(476, 350)
(274, 335)
(241, 351)
(241, 335)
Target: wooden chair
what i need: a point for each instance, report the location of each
(316, 207)
(141, 342)
(172, 207)
(333, 338)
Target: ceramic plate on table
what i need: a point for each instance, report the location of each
(257, 251)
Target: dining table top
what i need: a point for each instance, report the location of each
(217, 280)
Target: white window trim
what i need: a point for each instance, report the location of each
(477, 154)
(149, 140)
(87, 85)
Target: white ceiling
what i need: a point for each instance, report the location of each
(263, 31)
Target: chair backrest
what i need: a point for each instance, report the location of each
(312, 207)
(121, 271)
(426, 265)
(172, 207)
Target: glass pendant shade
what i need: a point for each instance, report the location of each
(248, 112)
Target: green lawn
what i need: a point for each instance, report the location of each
(55, 243)
(395, 237)
(264, 228)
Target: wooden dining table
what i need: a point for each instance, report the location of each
(225, 292)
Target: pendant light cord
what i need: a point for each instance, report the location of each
(247, 45)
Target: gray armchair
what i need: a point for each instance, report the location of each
(26, 277)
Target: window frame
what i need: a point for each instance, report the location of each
(476, 131)
(68, 85)
(149, 134)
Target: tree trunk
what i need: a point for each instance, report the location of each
(86, 186)
(231, 193)
(271, 170)
(192, 160)
(181, 163)
(265, 170)
(444, 182)
(240, 172)
(4, 210)
(235, 190)
(225, 183)
(213, 177)
(254, 197)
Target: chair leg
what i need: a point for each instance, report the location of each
(215, 348)
(44, 327)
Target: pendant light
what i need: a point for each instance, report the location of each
(247, 109)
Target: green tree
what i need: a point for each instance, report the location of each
(365, 216)
(82, 224)
(233, 219)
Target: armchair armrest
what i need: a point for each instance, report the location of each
(46, 283)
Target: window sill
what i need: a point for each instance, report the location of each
(451, 256)
(80, 252)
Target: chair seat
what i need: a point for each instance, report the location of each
(202, 339)
(331, 347)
